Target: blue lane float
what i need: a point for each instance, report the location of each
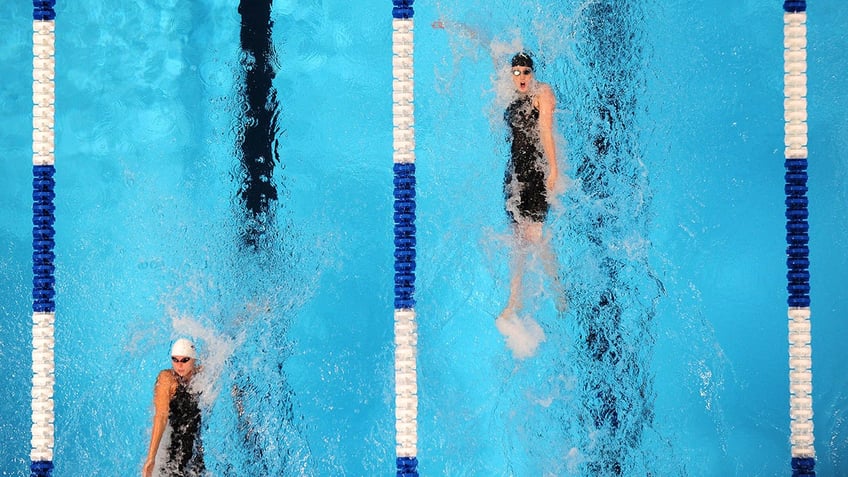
(43, 10)
(43, 243)
(404, 219)
(795, 6)
(402, 9)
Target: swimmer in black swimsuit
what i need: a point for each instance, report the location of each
(176, 405)
(524, 182)
(531, 172)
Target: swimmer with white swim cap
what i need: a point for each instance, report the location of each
(176, 405)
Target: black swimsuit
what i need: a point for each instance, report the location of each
(524, 182)
(185, 452)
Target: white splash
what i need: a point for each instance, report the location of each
(214, 352)
(523, 334)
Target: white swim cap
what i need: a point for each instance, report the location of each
(183, 347)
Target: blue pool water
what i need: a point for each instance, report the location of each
(669, 238)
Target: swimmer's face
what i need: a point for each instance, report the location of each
(183, 365)
(522, 77)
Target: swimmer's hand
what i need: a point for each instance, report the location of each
(147, 470)
(438, 24)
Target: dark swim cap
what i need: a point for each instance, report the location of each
(522, 59)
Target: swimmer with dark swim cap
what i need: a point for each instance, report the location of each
(522, 70)
(531, 173)
(522, 59)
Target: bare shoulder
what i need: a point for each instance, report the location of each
(166, 385)
(166, 376)
(546, 96)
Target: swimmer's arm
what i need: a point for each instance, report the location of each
(161, 402)
(463, 30)
(547, 105)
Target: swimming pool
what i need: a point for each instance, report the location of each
(682, 221)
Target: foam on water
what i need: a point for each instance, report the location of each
(523, 334)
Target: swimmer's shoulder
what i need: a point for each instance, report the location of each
(167, 378)
(545, 95)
